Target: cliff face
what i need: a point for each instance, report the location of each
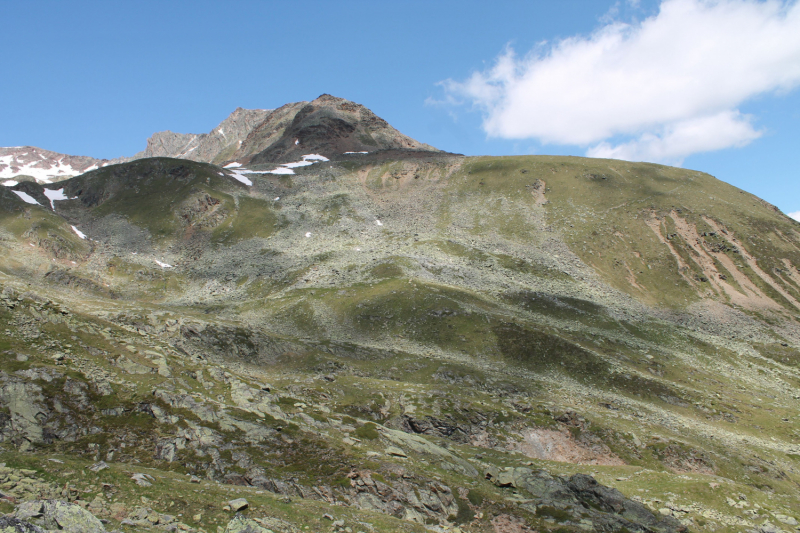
(215, 146)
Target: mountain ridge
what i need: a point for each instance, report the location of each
(260, 136)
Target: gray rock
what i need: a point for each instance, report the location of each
(24, 402)
(241, 524)
(15, 525)
(395, 452)
(239, 504)
(143, 480)
(608, 508)
(60, 516)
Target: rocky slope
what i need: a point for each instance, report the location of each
(402, 340)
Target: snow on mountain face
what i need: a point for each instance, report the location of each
(43, 165)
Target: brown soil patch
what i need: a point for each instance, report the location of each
(559, 445)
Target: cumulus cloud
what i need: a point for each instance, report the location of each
(657, 90)
(795, 215)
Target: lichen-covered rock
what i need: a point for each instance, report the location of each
(241, 524)
(607, 508)
(15, 525)
(24, 402)
(60, 516)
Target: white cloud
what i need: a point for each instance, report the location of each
(678, 139)
(795, 215)
(669, 85)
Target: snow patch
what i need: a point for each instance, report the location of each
(356, 152)
(162, 265)
(232, 165)
(297, 164)
(78, 232)
(277, 198)
(238, 176)
(296, 142)
(280, 170)
(315, 157)
(27, 198)
(379, 223)
(54, 195)
(10, 183)
(308, 234)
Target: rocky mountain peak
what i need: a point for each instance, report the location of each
(330, 126)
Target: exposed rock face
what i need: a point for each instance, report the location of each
(23, 400)
(607, 508)
(329, 126)
(213, 147)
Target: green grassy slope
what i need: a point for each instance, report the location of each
(630, 320)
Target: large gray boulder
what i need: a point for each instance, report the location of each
(59, 516)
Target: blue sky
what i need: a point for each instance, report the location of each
(708, 85)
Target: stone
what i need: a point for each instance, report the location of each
(239, 504)
(97, 467)
(395, 452)
(15, 525)
(23, 401)
(59, 515)
(143, 480)
(242, 524)
(788, 520)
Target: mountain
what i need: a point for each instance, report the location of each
(212, 147)
(44, 166)
(398, 340)
(329, 126)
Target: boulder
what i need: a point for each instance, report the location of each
(59, 516)
(15, 525)
(239, 504)
(241, 524)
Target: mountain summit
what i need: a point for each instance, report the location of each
(329, 126)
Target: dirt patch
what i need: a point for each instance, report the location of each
(559, 445)
(505, 523)
(683, 460)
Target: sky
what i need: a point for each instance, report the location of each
(711, 85)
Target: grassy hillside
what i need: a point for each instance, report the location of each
(428, 324)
